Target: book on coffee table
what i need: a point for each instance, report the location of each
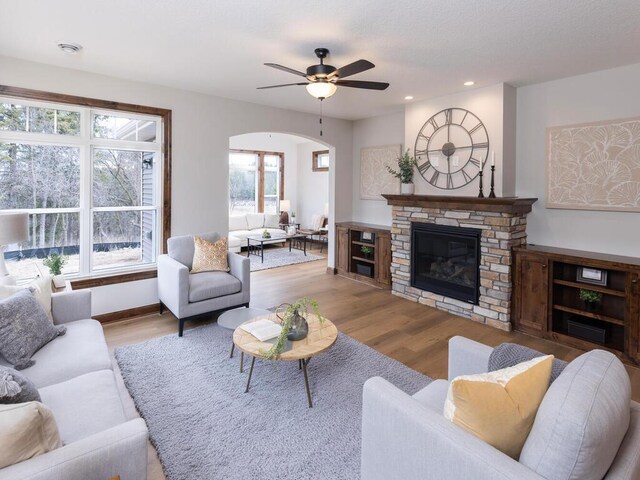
(262, 329)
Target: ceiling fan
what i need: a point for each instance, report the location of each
(323, 80)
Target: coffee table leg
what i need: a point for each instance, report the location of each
(233, 346)
(241, 362)
(262, 252)
(253, 361)
(306, 381)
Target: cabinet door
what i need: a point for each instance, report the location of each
(633, 316)
(383, 259)
(342, 249)
(532, 292)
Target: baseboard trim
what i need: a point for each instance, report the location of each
(129, 313)
(332, 271)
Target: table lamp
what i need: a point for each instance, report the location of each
(14, 228)
(285, 207)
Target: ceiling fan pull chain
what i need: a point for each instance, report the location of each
(321, 116)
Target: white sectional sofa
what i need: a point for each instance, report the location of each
(74, 376)
(241, 226)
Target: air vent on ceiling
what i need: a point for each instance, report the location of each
(68, 47)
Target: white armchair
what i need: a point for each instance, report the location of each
(189, 295)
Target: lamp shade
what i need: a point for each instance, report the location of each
(285, 206)
(14, 227)
(321, 89)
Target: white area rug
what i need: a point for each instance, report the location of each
(205, 427)
(279, 257)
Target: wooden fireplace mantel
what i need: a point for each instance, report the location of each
(501, 205)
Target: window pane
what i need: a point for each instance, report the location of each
(271, 161)
(123, 239)
(323, 160)
(270, 204)
(242, 191)
(271, 183)
(39, 176)
(13, 117)
(48, 233)
(67, 123)
(243, 160)
(122, 178)
(124, 128)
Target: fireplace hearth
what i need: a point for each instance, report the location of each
(446, 260)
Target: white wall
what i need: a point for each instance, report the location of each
(374, 132)
(605, 95)
(313, 187)
(202, 126)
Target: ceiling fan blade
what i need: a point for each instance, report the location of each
(285, 69)
(283, 85)
(353, 68)
(361, 84)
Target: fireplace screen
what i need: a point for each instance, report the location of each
(445, 260)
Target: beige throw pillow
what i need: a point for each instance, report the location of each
(210, 257)
(40, 287)
(26, 431)
(500, 407)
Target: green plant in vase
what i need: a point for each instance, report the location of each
(294, 323)
(266, 234)
(366, 251)
(54, 262)
(590, 298)
(406, 164)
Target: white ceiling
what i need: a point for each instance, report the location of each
(424, 48)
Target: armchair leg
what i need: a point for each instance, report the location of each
(161, 308)
(181, 327)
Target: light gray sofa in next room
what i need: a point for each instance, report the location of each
(74, 376)
(586, 428)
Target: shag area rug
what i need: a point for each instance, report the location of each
(204, 426)
(279, 257)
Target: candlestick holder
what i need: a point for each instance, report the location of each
(481, 193)
(492, 194)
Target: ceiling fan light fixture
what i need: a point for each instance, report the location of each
(321, 90)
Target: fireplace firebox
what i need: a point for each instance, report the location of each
(445, 260)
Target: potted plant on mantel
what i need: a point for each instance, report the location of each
(406, 163)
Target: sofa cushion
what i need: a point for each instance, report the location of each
(206, 285)
(237, 222)
(210, 256)
(16, 388)
(581, 421)
(500, 407)
(509, 354)
(40, 287)
(26, 431)
(24, 328)
(255, 220)
(82, 350)
(243, 234)
(182, 248)
(271, 220)
(433, 395)
(234, 242)
(84, 405)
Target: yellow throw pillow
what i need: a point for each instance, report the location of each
(500, 407)
(41, 288)
(210, 257)
(26, 431)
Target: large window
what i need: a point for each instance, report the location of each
(91, 181)
(256, 181)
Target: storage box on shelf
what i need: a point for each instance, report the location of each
(372, 265)
(547, 299)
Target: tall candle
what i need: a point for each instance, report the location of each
(493, 159)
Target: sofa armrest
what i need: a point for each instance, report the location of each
(71, 306)
(240, 267)
(121, 450)
(401, 438)
(467, 357)
(173, 283)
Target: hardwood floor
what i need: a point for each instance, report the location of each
(414, 334)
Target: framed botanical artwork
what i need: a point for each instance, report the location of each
(594, 166)
(320, 161)
(374, 177)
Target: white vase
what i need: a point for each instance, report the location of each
(407, 188)
(59, 281)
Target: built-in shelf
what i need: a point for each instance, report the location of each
(376, 269)
(588, 314)
(365, 244)
(365, 260)
(451, 202)
(595, 288)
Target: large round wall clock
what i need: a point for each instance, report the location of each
(451, 148)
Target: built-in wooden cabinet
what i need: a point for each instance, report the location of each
(547, 303)
(363, 252)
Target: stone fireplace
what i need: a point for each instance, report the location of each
(443, 269)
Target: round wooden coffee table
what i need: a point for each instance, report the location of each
(320, 338)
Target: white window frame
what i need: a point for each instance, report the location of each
(86, 142)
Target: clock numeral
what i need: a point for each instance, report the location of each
(449, 181)
(481, 145)
(448, 116)
(422, 136)
(474, 129)
(434, 178)
(467, 177)
(433, 123)
(475, 162)
(424, 167)
(465, 117)
(418, 153)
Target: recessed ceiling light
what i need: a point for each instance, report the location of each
(69, 47)
(408, 97)
(469, 83)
